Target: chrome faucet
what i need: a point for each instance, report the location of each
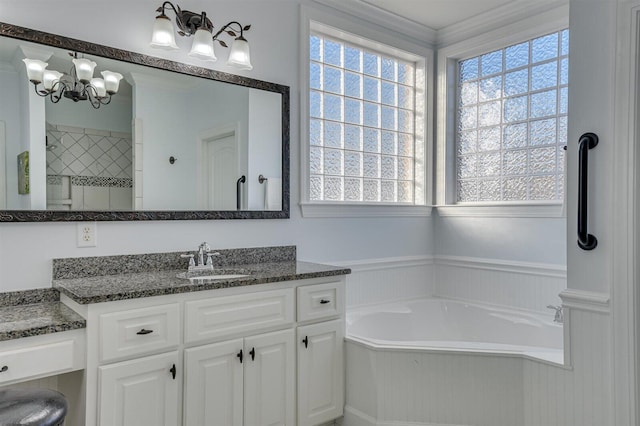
(559, 317)
(203, 250)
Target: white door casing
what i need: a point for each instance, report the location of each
(219, 167)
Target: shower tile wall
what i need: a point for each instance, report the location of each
(88, 169)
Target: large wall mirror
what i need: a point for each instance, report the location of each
(175, 142)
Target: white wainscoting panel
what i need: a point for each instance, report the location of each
(521, 285)
(403, 388)
(427, 388)
(580, 396)
(383, 280)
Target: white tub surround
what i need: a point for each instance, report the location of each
(436, 361)
(437, 325)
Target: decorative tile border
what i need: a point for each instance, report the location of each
(92, 181)
(54, 180)
(102, 181)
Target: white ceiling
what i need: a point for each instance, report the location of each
(437, 14)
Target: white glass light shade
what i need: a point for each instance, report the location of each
(240, 56)
(98, 84)
(84, 69)
(164, 35)
(111, 81)
(35, 69)
(50, 80)
(202, 47)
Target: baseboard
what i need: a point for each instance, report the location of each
(353, 417)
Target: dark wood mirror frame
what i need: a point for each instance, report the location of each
(47, 39)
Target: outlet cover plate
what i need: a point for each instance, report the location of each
(86, 234)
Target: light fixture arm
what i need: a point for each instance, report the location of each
(201, 28)
(230, 32)
(187, 21)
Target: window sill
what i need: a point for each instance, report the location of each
(363, 210)
(550, 210)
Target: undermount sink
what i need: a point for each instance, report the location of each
(220, 274)
(218, 277)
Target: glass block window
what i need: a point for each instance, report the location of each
(512, 122)
(361, 124)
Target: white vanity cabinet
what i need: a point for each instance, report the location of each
(320, 347)
(246, 381)
(142, 391)
(40, 356)
(320, 372)
(225, 357)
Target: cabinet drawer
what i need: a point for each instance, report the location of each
(217, 317)
(319, 301)
(139, 331)
(38, 361)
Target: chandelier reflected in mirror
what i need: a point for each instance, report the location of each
(77, 85)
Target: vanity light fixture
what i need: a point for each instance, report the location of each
(78, 85)
(201, 28)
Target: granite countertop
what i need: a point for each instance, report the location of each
(35, 312)
(107, 288)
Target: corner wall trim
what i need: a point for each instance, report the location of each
(586, 300)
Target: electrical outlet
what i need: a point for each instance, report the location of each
(87, 233)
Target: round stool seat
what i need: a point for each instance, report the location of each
(31, 407)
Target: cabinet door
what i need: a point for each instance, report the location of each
(320, 372)
(213, 384)
(269, 379)
(140, 392)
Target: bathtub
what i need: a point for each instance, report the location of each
(436, 324)
(445, 362)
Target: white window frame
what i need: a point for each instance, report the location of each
(448, 57)
(379, 39)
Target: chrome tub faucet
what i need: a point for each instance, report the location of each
(559, 316)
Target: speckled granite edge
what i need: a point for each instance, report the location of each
(83, 267)
(157, 283)
(29, 297)
(37, 319)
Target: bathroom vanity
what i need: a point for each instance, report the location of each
(266, 348)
